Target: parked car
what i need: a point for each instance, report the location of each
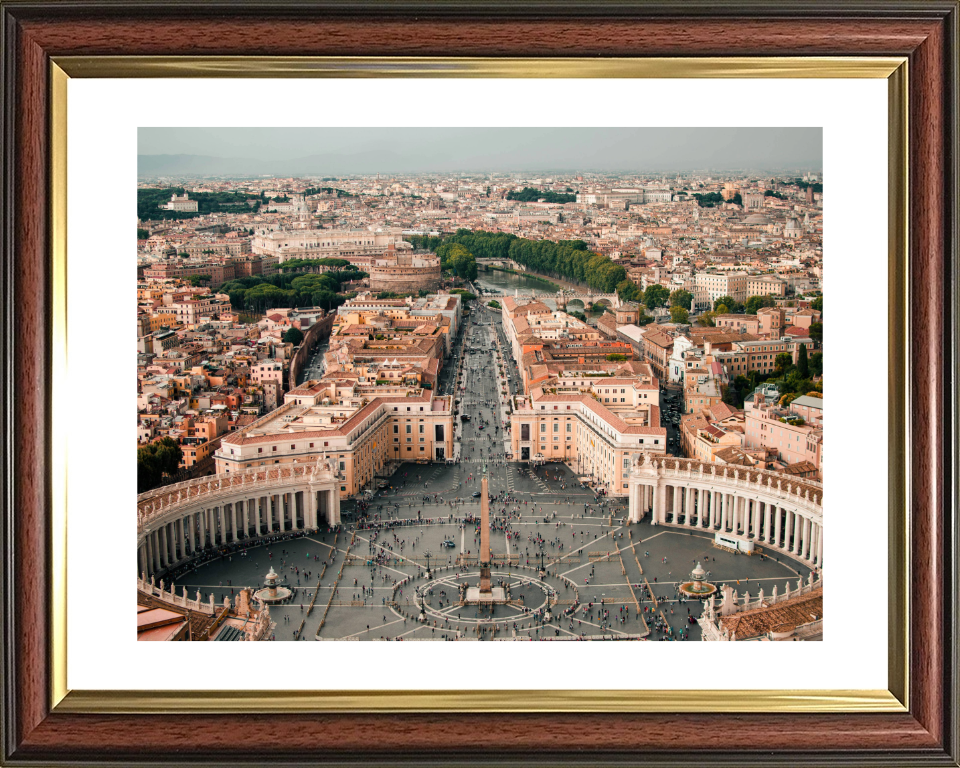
(476, 494)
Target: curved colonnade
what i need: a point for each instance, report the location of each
(178, 522)
(777, 511)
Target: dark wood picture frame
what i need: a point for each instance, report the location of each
(924, 32)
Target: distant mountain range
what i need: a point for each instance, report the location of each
(374, 161)
(336, 164)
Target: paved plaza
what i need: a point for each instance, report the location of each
(601, 578)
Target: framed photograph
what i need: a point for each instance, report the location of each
(513, 316)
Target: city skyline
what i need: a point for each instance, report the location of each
(366, 151)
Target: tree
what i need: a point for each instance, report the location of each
(681, 298)
(802, 366)
(196, 280)
(679, 315)
(616, 357)
(816, 332)
(787, 399)
(722, 309)
(755, 303)
(816, 363)
(732, 305)
(156, 460)
(142, 234)
(293, 336)
(494, 304)
(706, 319)
(817, 304)
(655, 296)
(782, 362)
(628, 290)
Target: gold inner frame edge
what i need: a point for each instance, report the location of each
(894, 69)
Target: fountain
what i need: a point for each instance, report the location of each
(272, 592)
(698, 586)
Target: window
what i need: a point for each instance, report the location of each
(259, 450)
(274, 448)
(421, 429)
(293, 447)
(311, 445)
(396, 429)
(409, 428)
(543, 427)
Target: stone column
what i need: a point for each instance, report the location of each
(806, 539)
(168, 536)
(677, 500)
(162, 545)
(335, 506)
(295, 506)
(814, 533)
(282, 511)
(310, 508)
(708, 512)
(795, 546)
(820, 546)
(766, 523)
(756, 519)
(778, 526)
(183, 537)
(141, 560)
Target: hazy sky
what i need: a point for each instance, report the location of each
(446, 149)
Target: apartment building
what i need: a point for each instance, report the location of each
(359, 438)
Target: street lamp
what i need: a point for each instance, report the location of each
(427, 555)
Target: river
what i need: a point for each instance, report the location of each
(508, 283)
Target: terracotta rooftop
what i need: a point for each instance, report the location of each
(780, 617)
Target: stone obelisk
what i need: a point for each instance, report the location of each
(484, 539)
